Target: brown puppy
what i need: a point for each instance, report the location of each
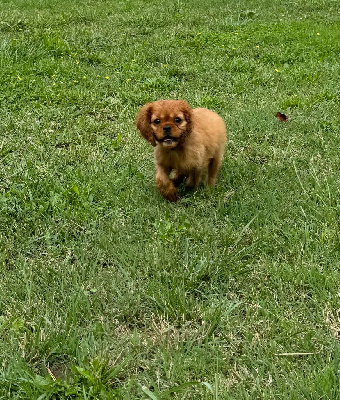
(188, 142)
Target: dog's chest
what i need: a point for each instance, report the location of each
(179, 160)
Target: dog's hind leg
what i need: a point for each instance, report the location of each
(213, 168)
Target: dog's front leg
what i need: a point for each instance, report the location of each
(194, 178)
(165, 184)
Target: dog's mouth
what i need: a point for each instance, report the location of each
(168, 141)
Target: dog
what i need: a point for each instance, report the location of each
(188, 143)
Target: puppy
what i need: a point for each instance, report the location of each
(189, 143)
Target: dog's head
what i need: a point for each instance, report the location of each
(166, 122)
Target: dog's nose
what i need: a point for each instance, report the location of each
(166, 129)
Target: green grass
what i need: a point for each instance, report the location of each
(108, 291)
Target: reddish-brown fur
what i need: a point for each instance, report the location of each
(188, 142)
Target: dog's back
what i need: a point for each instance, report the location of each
(209, 128)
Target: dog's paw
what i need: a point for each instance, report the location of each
(171, 195)
(166, 187)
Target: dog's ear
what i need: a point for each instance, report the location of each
(143, 123)
(187, 111)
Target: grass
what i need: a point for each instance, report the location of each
(109, 292)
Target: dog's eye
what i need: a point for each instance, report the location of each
(157, 121)
(178, 120)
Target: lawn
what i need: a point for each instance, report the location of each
(107, 290)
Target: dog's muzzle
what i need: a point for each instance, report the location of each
(167, 140)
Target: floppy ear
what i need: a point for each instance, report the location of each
(187, 111)
(143, 121)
